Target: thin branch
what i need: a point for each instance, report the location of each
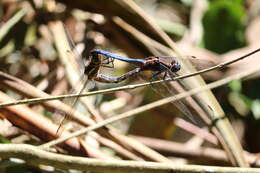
(106, 91)
(201, 153)
(11, 22)
(35, 156)
(152, 105)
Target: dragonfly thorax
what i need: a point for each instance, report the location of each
(93, 65)
(160, 64)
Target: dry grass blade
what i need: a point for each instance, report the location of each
(38, 125)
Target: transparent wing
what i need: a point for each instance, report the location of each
(79, 84)
(75, 53)
(199, 64)
(165, 89)
(72, 102)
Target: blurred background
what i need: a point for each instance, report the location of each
(213, 30)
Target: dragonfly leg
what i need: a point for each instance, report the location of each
(155, 74)
(164, 76)
(108, 62)
(112, 62)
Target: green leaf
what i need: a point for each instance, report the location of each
(239, 104)
(187, 2)
(235, 86)
(224, 25)
(4, 140)
(256, 109)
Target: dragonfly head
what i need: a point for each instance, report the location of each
(175, 66)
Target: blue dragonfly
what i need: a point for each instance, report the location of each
(164, 66)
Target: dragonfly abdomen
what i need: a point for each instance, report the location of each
(97, 52)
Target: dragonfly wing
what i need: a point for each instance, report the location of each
(75, 51)
(199, 64)
(165, 90)
(78, 81)
(72, 102)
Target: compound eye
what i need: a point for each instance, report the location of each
(175, 66)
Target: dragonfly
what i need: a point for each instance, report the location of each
(165, 65)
